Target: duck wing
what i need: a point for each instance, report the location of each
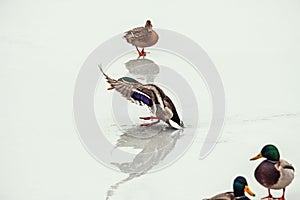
(223, 196)
(140, 34)
(131, 89)
(286, 165)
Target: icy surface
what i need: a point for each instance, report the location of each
(43, 44)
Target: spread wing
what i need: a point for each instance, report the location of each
(131, 89)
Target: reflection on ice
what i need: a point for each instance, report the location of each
(140, 132)
(154, 150)
(143, 69)
(158, 143)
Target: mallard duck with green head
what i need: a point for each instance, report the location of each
(142, 37)
(273, 172)
(240, 186)
(150, 95)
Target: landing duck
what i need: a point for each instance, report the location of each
(273, 172)
(240, 186)
(149, 95)
(142, 37)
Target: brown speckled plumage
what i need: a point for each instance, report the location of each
(147, 94)
(142, 36)
(227, 196)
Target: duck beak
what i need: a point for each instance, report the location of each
(257, 157)
(247, 189)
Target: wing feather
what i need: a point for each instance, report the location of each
(137, 34)
(131, 89)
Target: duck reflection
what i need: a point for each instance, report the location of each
(143, 69)
(154, 149)
(156, 143)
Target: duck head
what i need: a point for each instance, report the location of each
(148, 24)
(175, 121)
(270, 152)
(176, 125)
(240, 186)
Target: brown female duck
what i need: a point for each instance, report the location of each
(142, 37)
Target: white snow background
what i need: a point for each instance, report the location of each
(254, 45)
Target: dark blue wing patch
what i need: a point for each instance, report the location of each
(141, 97)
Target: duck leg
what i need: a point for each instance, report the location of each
(269, 197)
(282, 197)
(150, 124)
(149, 118)
(141, 53)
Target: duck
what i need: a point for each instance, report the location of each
(240, 186)
(149, 95)
(273, 173)
(142, 37)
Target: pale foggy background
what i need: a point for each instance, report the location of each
(254, 45)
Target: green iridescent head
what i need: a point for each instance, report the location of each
(270, 152)
(240, 186)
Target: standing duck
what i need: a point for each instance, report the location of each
(142, 37)
(273, 172)
(240, 186)
(150, 95)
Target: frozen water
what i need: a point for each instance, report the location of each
(43, 44)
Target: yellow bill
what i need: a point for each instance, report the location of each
(257, 157)
(247, 189)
